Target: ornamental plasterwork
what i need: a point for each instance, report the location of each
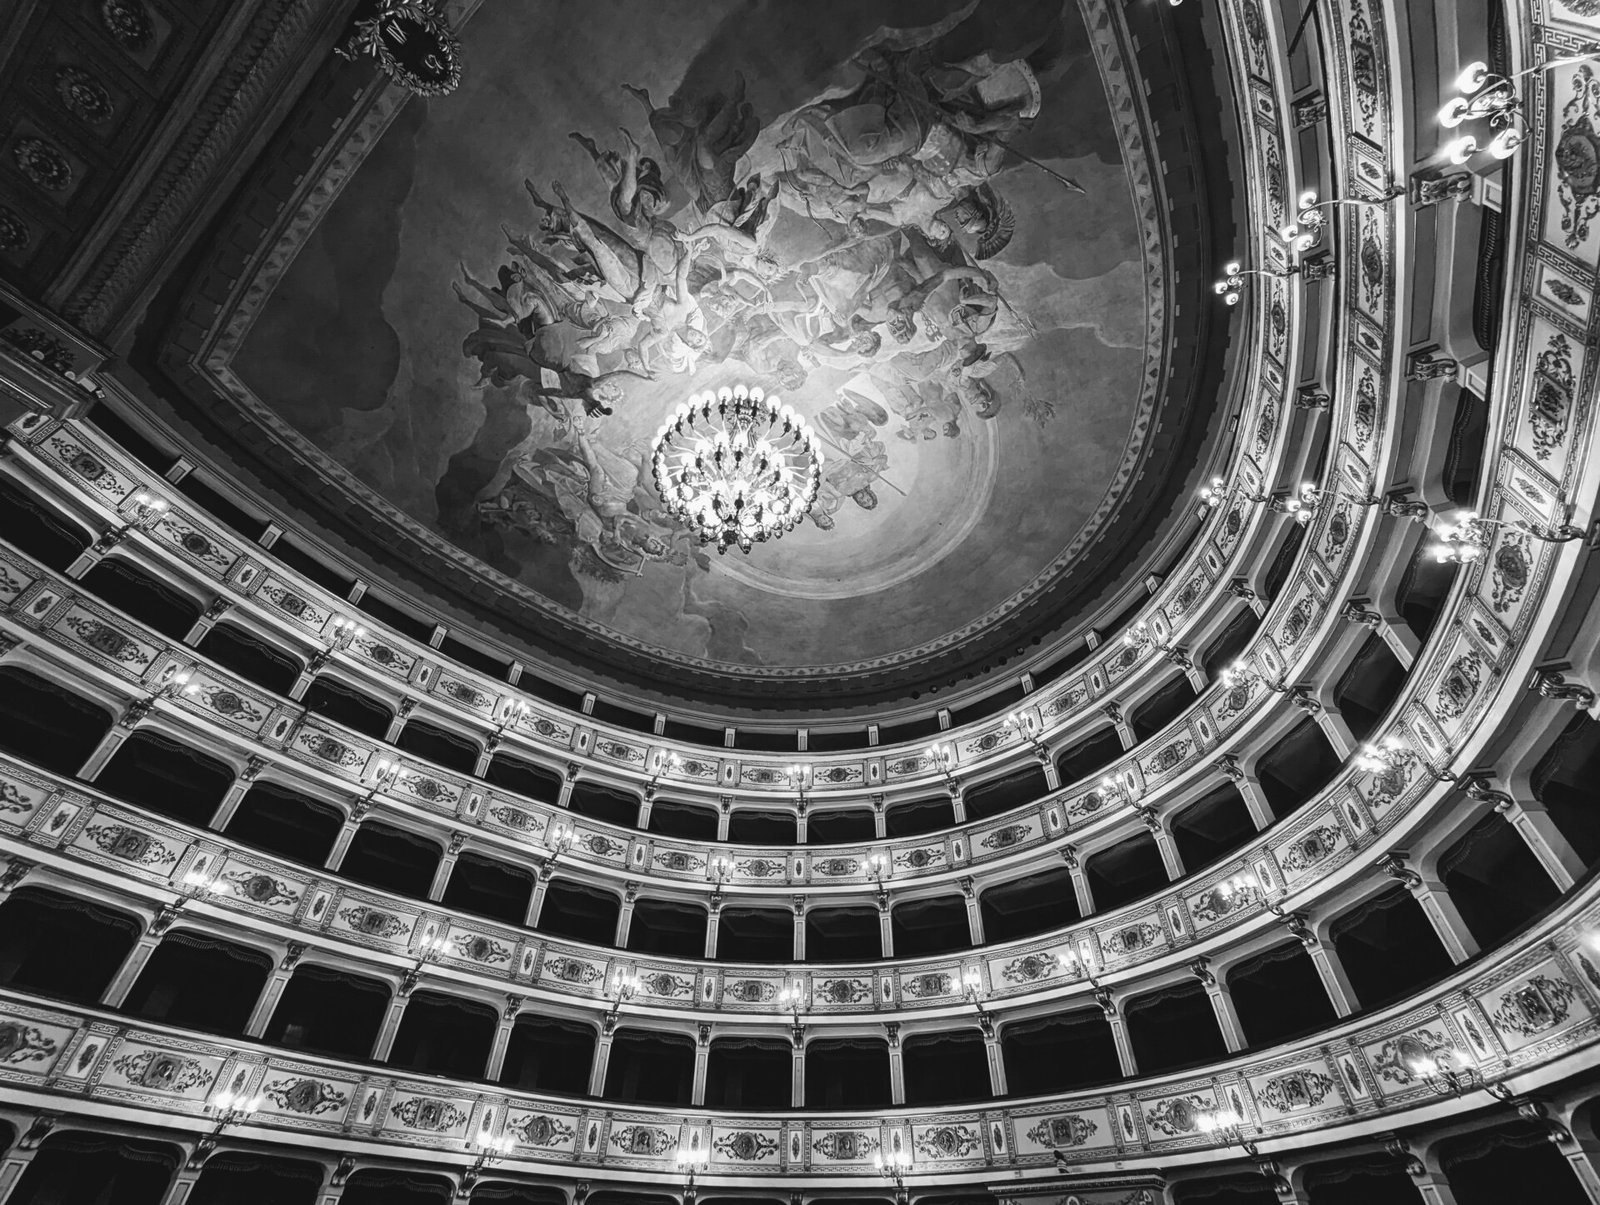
(295, 601)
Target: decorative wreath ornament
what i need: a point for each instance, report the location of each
(412, 43)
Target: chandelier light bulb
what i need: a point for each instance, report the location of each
(1473, 76)
(1453, 113)
(1462, 149)
(1505, 144)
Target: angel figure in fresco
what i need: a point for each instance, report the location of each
(702, 139)
(638, 192)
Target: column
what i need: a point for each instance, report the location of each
(333, 1187)
(182, 1185)
(702, 1055)
(800, 825)
(1197, 677)
(1119, 1034)
(724, 814)
(218, 608)
(502, 1038)
(1337, 731)
(1330, 969)
(1545, 841)
(441, 874)
(630, 893)
(958, 806)
(1255, 801)
(341, 843)
(897, 1070)
(1447, 921)
(1432, 1184)
(1080, 884)
(1169, 850)
(567, 783)
(302, 684)
(713, 924)
(1227, 1015)
(974, 912)
(885, 927)
(1113, 712)
(797, 1070)
(272, 991)
(997, 1062)
(1437, 906)
(1580, 1153)
(879, 823)
(1052, 775)
(645, 804)
(401, 715)
(391, 1026)
(236, 792)
(799, 928)
(109, 744)
(123, 982)
(480, 767)
(11, 1169)
(541, 883)
(602, 1057)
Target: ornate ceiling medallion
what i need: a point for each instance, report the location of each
(737, 467)
(412, 44)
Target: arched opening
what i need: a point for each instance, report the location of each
(48, 726)
(1172, 1028)
(649, 1067)
(682, 820)
(438, 745)
(847, 1073)
(1423, 588)
(946, 1068)
(523, 778)
(1212, 827)
(930, 926)
(1366, 691)
(919, 816)
(153, 771)
(1060, 1053)
(441, 1034)
(346, 705)
(76, 1167)
(385, 1186)
(1002, 794)
(37, 924)
(581, 913)
(246, 1178)
(391, 859)
(1161, 708)
(755, 935)
(1514, 1161)
(1388, 948)
(250, 656)
(842, 935)
(1130, 870)
(748, 1073)
(283, 821)
(1563, 784)
(489, 887)
(196, 981)
(1230, 643)
(139, 595)
(323, 1011)
(1086, 759)
(1495, 881)
(548, 1054)
(1296, 768)
(845, 827)
(1039, 903)
(32, 528)
(1278, 995)
(668, 928)
(604, 803)
(762, 828)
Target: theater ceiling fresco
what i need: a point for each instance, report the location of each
(924, 224)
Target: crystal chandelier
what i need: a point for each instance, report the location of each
(737, 467)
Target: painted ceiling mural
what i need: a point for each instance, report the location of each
(913, 220)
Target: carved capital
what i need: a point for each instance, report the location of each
(291, 955)
(1309, 397)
